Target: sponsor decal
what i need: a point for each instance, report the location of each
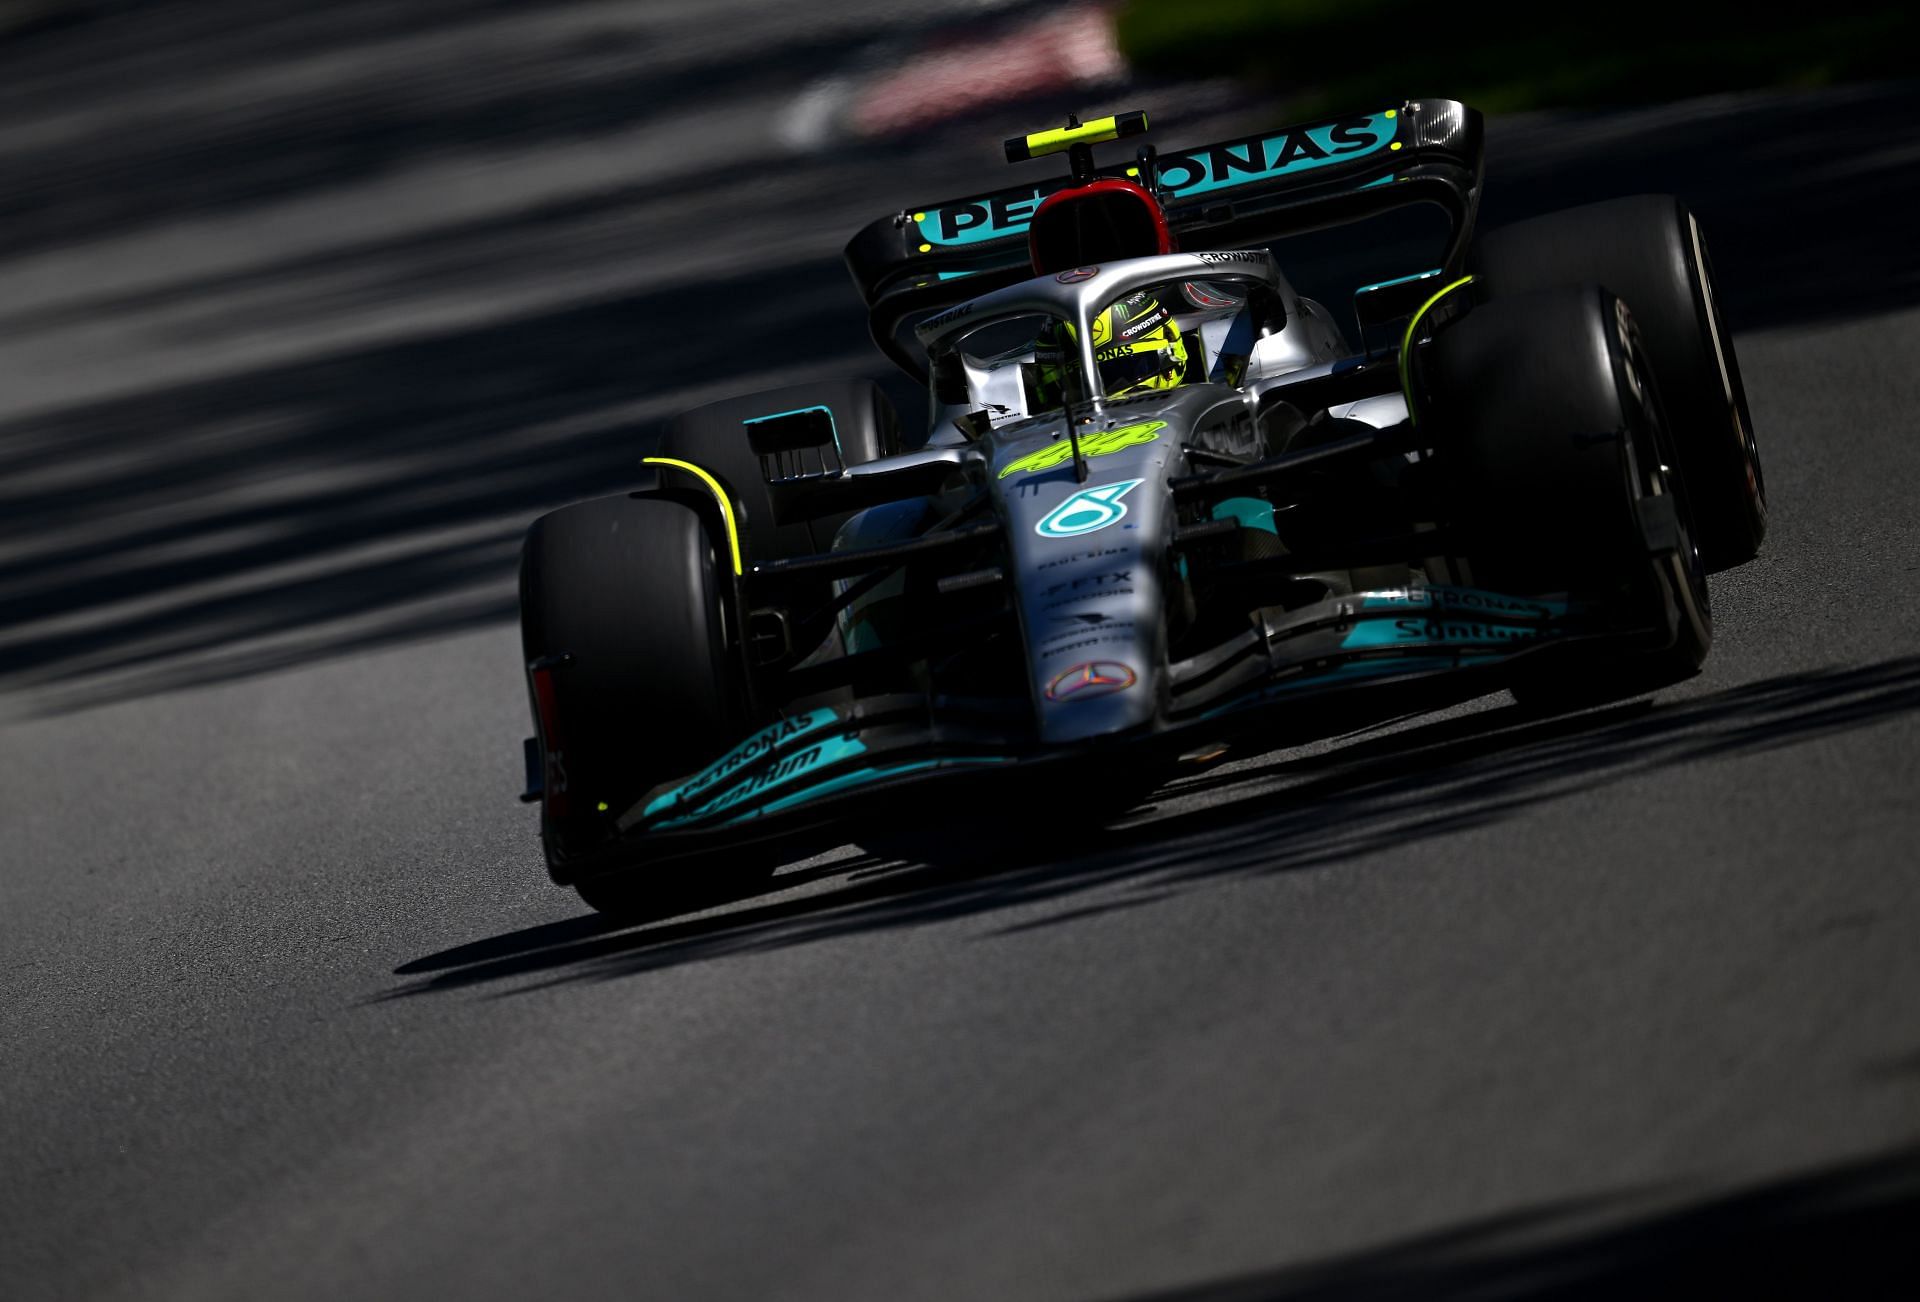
(554, 783)
(1082, 596)
(767, 739)
(1098, 553)
(984, 219)
(1444, 598)
(1456, 630)
(1228, 258)
(770, 777)
(1183, 174)
(1088, 511)
(950, 315)
(1137, 312)
(1077, 275)
(1097, 444)
(1090, 629)
(1088, 581)
(1435, 630)
(1281, 153)
(822, 753)
(1623, 327)
(1094, 679)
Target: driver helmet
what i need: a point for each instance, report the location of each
(1137, 346)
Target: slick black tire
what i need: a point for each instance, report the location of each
(1649, 250)
(714, 437)
(1551, 418)
(642, 894)
(628, 592)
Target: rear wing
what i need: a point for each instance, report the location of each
(1231, 195)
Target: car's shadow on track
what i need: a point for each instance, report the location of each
(1294, 814)
(1844, 1231)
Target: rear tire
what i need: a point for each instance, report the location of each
(629, 591)
(1555, 426)
(1649, 251)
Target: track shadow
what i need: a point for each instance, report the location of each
(590, 926)
(1385, 793)
(1849, 1231)
(388, 476)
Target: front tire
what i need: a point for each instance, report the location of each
(639, 894)
(622, 601)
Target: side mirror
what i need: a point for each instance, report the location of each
(791, 431)
(1390, 300)
(1267, 311)
(974, 424)
(949, 381)
(1040, 391)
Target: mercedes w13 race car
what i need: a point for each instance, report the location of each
(1167, 504)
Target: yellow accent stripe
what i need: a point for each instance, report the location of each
(1406, 344)
(719, 495)
(1052, 142)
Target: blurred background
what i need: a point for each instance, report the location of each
(1501, 59)
(307, 308)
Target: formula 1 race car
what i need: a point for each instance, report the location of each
(1166, 504)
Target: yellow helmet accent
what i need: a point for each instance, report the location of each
(1136, 345)
(1156, 358)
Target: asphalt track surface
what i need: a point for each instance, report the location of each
(301, 322)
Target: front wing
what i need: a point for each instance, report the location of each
(1336, 666)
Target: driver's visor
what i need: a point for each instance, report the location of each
(1129, 366)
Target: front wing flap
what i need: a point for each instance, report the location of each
(1373, 634)
(813, 754)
